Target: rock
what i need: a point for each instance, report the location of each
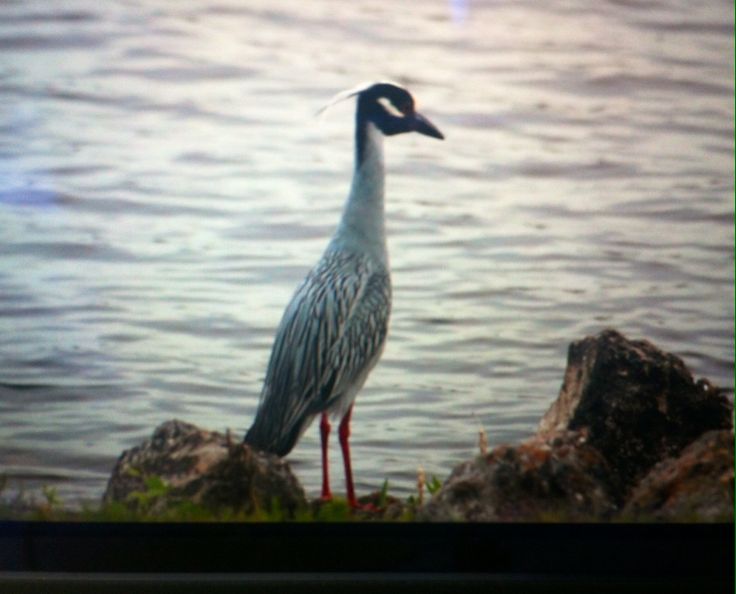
(623, 407)
(698, 485)
(205, 468)
(638, 404)
(560, 478)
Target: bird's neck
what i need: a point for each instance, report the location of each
(362, 224)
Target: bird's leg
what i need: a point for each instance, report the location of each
(324, 430)
(344, 434)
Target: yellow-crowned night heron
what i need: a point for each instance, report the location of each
(333, 330)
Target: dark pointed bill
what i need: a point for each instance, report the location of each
(424, 126)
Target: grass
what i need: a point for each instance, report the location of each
(155, 504)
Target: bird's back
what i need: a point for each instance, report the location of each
(331, 335)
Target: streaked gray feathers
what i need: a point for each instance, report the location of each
(331, 335)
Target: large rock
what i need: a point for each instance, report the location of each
(697, 485)
(205, 468)
(560, 478)
(624, 406)
(638, 404)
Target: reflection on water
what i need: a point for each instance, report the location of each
(165, 185)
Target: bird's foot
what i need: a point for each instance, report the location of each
(367, 507)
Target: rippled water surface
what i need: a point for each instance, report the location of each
(164, 185)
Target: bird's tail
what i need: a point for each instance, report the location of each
(264, 438)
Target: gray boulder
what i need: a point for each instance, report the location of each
(696, 485)
(638, 404)
(205, 468)
(624, 406)
(560, 478)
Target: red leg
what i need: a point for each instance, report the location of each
(324, 430)
(344, 433)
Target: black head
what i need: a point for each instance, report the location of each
(391, 109)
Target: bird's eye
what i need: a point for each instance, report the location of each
(390, 108)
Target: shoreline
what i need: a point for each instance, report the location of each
(631, 436)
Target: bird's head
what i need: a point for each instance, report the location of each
(390, 108)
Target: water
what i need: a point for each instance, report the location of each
(164, 186)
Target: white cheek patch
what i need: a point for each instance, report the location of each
(389, 107)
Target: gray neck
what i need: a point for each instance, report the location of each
(362, 225)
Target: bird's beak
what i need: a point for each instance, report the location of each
(424, 126)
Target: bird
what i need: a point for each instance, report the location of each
(333, 330)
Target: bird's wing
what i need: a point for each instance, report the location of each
(332, 331)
